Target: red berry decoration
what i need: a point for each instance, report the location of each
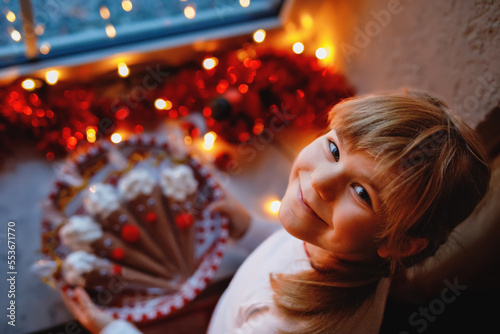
(184, 220)
(130, 233)
(117, 270)
(223, 160)
(118, 253)
(151, 217)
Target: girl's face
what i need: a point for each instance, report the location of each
(332, 201)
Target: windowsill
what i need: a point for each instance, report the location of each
(139, 49)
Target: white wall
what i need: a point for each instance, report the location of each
(448, 47)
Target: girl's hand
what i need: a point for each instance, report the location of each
(85, 311)
(239, 218)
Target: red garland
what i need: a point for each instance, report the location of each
(246, 92)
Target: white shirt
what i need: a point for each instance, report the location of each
(247, 306)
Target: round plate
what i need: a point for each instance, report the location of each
(106, 162)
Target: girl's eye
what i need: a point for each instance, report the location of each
(362, 193)
(334, 150)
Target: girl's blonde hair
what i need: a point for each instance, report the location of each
(438, 174)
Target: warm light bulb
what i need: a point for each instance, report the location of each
(259, 35)
(298, 48)
(11, 17)
(15, 35)
(209, 140)
(104, 11)
(123, 70)
(160, 104)
(51, 77)
(39, 29)
(210, 63)
(274, 207)
(116, 138)
(189, 12)
(91, 135)
(28, 84)
(110, 31)
(168, 105)
(127, 5)
(45, 48)
(244, 3)
(321, 53)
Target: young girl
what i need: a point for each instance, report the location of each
(380, 191)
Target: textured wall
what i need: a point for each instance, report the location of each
(448, 47)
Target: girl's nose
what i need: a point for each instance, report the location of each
(327, 181)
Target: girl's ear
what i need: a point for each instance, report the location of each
(409, 248)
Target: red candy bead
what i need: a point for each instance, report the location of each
(117, 270)
(151, 217)
(184, 220)
(130, 233)
(118, 253)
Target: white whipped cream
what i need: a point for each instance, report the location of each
(137, 181)
(178, 182)
(79, 263)
(79, 232)
(101, 200)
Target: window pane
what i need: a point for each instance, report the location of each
(11, 33)
(72, 26)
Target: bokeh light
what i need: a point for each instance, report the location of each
(210, 63)
(298, 48)
(274, 206)
(321, 53)
(51, 77)
(123, 70)
(189, 12)
(259, 36)
(116, 138)
(110, 31)
(28, 84)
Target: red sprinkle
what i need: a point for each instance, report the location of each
(118, 253)
(151, 217)
(184, 220)
(130, 233)
(117, 270)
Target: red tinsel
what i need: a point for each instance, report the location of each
(247, 91)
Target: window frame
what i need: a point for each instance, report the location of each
(32, 60)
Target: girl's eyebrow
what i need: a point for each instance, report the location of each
(341, 141)
(368, 180)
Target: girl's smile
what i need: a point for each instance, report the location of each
(306, 207)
